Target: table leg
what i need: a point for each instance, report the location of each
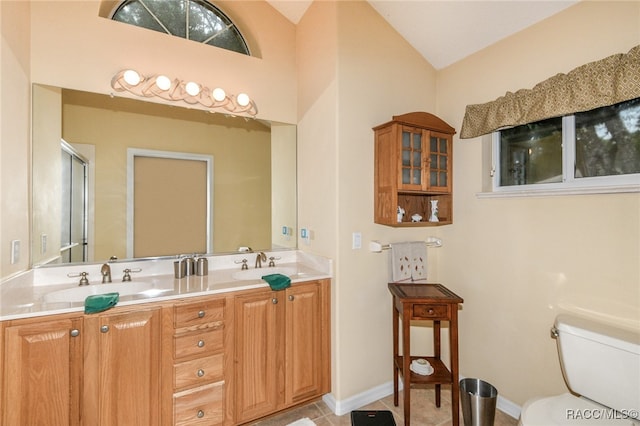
(395, 314)
(406, 361)
(437, 352)
(455, 385)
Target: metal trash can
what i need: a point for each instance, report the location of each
(478, 399)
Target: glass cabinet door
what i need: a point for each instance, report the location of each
(439, 164)
(412, 159)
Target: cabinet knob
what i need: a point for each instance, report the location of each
(200, 372)
(291, 297)
(200, 414)
(430, 311)
(274, 300)
(74, 333)
(104, 329)
(200, 314)
(201, 343)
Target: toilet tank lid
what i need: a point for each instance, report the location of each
(609, 334)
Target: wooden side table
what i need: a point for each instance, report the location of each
(425, 302)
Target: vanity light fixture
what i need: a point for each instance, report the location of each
(159, 85)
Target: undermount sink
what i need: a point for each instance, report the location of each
(258, 273)
(79, 294)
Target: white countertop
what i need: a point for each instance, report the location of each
(23, 295)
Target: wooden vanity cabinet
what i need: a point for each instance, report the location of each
(413, 167)
(198, 362)
(281, 346)
(122, 367)
(42, 366)
(99, 369)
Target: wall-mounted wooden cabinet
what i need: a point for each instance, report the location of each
(413, 167)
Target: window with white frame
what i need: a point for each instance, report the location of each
(597, 148)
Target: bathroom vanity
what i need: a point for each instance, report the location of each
(206, 350)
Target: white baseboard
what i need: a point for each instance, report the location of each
(345, 406)
(357, 401)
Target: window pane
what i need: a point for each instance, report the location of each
(443, 146)
(531, 153)
(406, 140)
(443, 179)
(608, 140)
(207, 24)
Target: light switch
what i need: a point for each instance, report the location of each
(15, 251)
(356, 240)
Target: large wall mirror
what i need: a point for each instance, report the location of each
(83, 207)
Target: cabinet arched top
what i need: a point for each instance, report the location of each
(421, 119)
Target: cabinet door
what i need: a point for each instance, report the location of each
(413, 159)
(258, 351)
(439, 170)
(122, 368)
(43, 367)
(303, 325)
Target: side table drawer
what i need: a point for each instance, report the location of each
(198, 343)
(430, 310)
(201, 406)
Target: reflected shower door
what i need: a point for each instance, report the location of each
(74, 207)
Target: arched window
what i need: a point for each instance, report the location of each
(196, 20)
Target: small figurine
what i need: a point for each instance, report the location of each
(400, 212)
(416, 218)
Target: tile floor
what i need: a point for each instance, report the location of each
(423, 411)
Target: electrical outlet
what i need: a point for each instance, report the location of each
(15, 251)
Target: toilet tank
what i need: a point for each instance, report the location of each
(600, 362)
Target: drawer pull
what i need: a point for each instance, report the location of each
(201, 343)
(200, 314)
(200, 372)
(104, 329)
(274, 301)
(291, 297)
(200, 414)
(430, 311)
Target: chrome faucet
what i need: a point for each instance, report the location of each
(106, 273)
(260, 258)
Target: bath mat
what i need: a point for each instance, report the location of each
(302, 422)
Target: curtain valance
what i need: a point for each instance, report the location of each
(596, 84)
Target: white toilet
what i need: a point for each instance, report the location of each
(601, 366)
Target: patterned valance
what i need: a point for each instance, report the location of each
(602, 83)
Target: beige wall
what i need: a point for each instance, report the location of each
(518, 262)
(73, 47)
(355, 72)
(15, 65)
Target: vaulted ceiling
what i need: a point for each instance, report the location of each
(446, 31)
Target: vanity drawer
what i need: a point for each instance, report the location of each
(200, 406)
(198, 371)
(194, 314)
(199, 343)
(430, 310)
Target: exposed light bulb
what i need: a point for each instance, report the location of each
(243, 99)
(192, 88)
(163, 82)
(131, 77)
(218, 94)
